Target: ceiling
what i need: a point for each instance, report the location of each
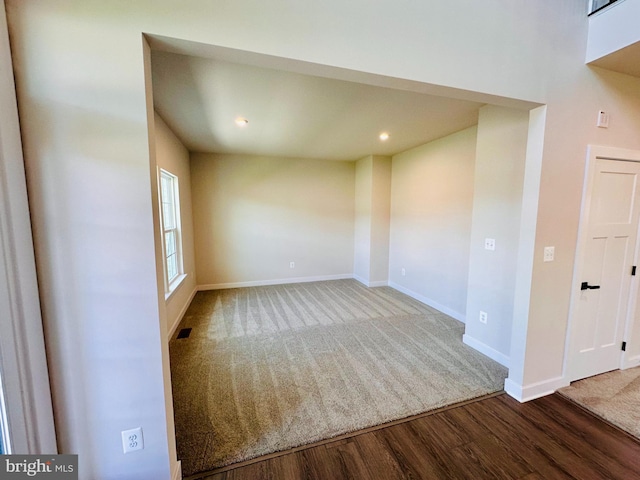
(293, 114)
(626, 60)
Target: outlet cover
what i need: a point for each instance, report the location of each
(603, 119)
(549, 254)
(132, 440)
(490, 243)
(483, 317)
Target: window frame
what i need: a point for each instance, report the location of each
(593, 9)
(170, 224)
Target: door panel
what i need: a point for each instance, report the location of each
(615, 205)
(609, 252)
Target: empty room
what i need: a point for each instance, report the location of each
(337, 235)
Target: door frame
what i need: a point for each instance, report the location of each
(595, 152)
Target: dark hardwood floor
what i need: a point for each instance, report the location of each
(493, 438)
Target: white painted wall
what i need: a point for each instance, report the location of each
(431, 202)
(24, 378)
(255, 215)
(613, 29)
(497, 203)
(90, 203)
(172, 156)
(81, 91)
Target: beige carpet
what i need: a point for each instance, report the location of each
(614, 396)
(270, 368)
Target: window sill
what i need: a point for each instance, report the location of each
(174, 286)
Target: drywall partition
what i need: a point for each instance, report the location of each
(497, 202)
(380, 220)
(431, 203)
(266, 220)
(372, 216)
(24, 378)
(173, 157)
(167, 457)
(613, 29)
(633, 337)
(362, 223)
(561, 181)
(91, 211)
(81, 92)
(515, 384)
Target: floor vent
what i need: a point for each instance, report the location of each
(184, 333)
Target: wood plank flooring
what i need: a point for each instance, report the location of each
(494, 438)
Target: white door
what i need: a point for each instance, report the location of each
(603, 278)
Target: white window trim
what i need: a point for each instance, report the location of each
(175, 285)
(593, 9)
(171, 286)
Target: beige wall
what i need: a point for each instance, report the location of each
(497, 203)
(372, 217)
(431, 202)
(633, 339)
(380, 220)
(362, 225)
(173, 157)
(83, 113)
(570, 127)
(255, 215)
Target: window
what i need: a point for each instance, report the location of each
(597, 5)
(171, 241)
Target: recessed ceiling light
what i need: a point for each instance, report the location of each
(384, 136)
(241, 121)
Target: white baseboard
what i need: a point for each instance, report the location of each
(631, 362)
(525, 393)
(381, 283)
(361, 280)
(427, 301)
(176, 474)
(281, 281)
(485, 349)
(178, 319)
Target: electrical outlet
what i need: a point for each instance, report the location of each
(490, 243)
(483, 317)
(132, 440)
(292, 264)
(549, 253)
(403, 272)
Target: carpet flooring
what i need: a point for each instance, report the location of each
(614, 396)
(270, 368)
